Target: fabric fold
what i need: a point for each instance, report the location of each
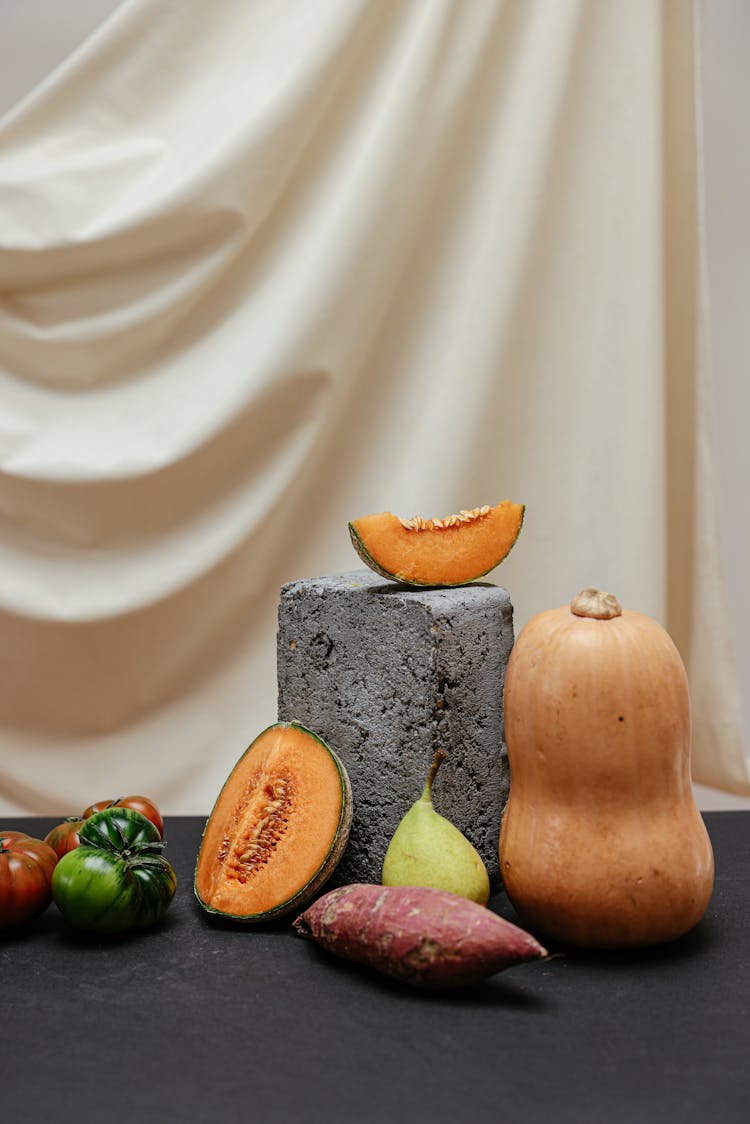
(265, 267)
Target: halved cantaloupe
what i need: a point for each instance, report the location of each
(278, 828)
(437, 552)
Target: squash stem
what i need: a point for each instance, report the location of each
(597, 604)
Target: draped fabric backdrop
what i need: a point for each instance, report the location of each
(269, 265)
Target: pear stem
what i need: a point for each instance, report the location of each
(437, 761)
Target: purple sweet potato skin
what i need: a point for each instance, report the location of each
(429, 938)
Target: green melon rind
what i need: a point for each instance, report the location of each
(330, 862)
(367, 558)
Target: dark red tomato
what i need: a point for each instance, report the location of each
(26, 869)
(64, 837)
(146, 807)
(100, 806)
(140, 804)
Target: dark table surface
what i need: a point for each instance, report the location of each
(199, 1021)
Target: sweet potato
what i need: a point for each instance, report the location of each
(429, 938)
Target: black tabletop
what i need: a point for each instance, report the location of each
(201, 1021)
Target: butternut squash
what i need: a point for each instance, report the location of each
(602, 844)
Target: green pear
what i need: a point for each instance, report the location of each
(428, 850)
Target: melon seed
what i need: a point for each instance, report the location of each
(417, 523)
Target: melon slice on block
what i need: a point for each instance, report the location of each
(278, 828)
(453, 550)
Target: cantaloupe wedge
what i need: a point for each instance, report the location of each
(453, 550)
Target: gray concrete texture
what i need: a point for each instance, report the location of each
(386, 674)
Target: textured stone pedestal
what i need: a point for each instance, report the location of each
(387, 674)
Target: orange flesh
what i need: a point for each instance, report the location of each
(289, 780)
(445, 555)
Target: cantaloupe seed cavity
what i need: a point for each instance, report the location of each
(417, 523)
(263, 822)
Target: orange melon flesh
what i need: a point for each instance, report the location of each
(443, 556)
(273, 826)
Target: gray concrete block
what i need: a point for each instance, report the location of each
(387, 674)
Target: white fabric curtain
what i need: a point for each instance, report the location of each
(266, 266)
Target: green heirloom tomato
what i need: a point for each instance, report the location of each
(117, 878)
